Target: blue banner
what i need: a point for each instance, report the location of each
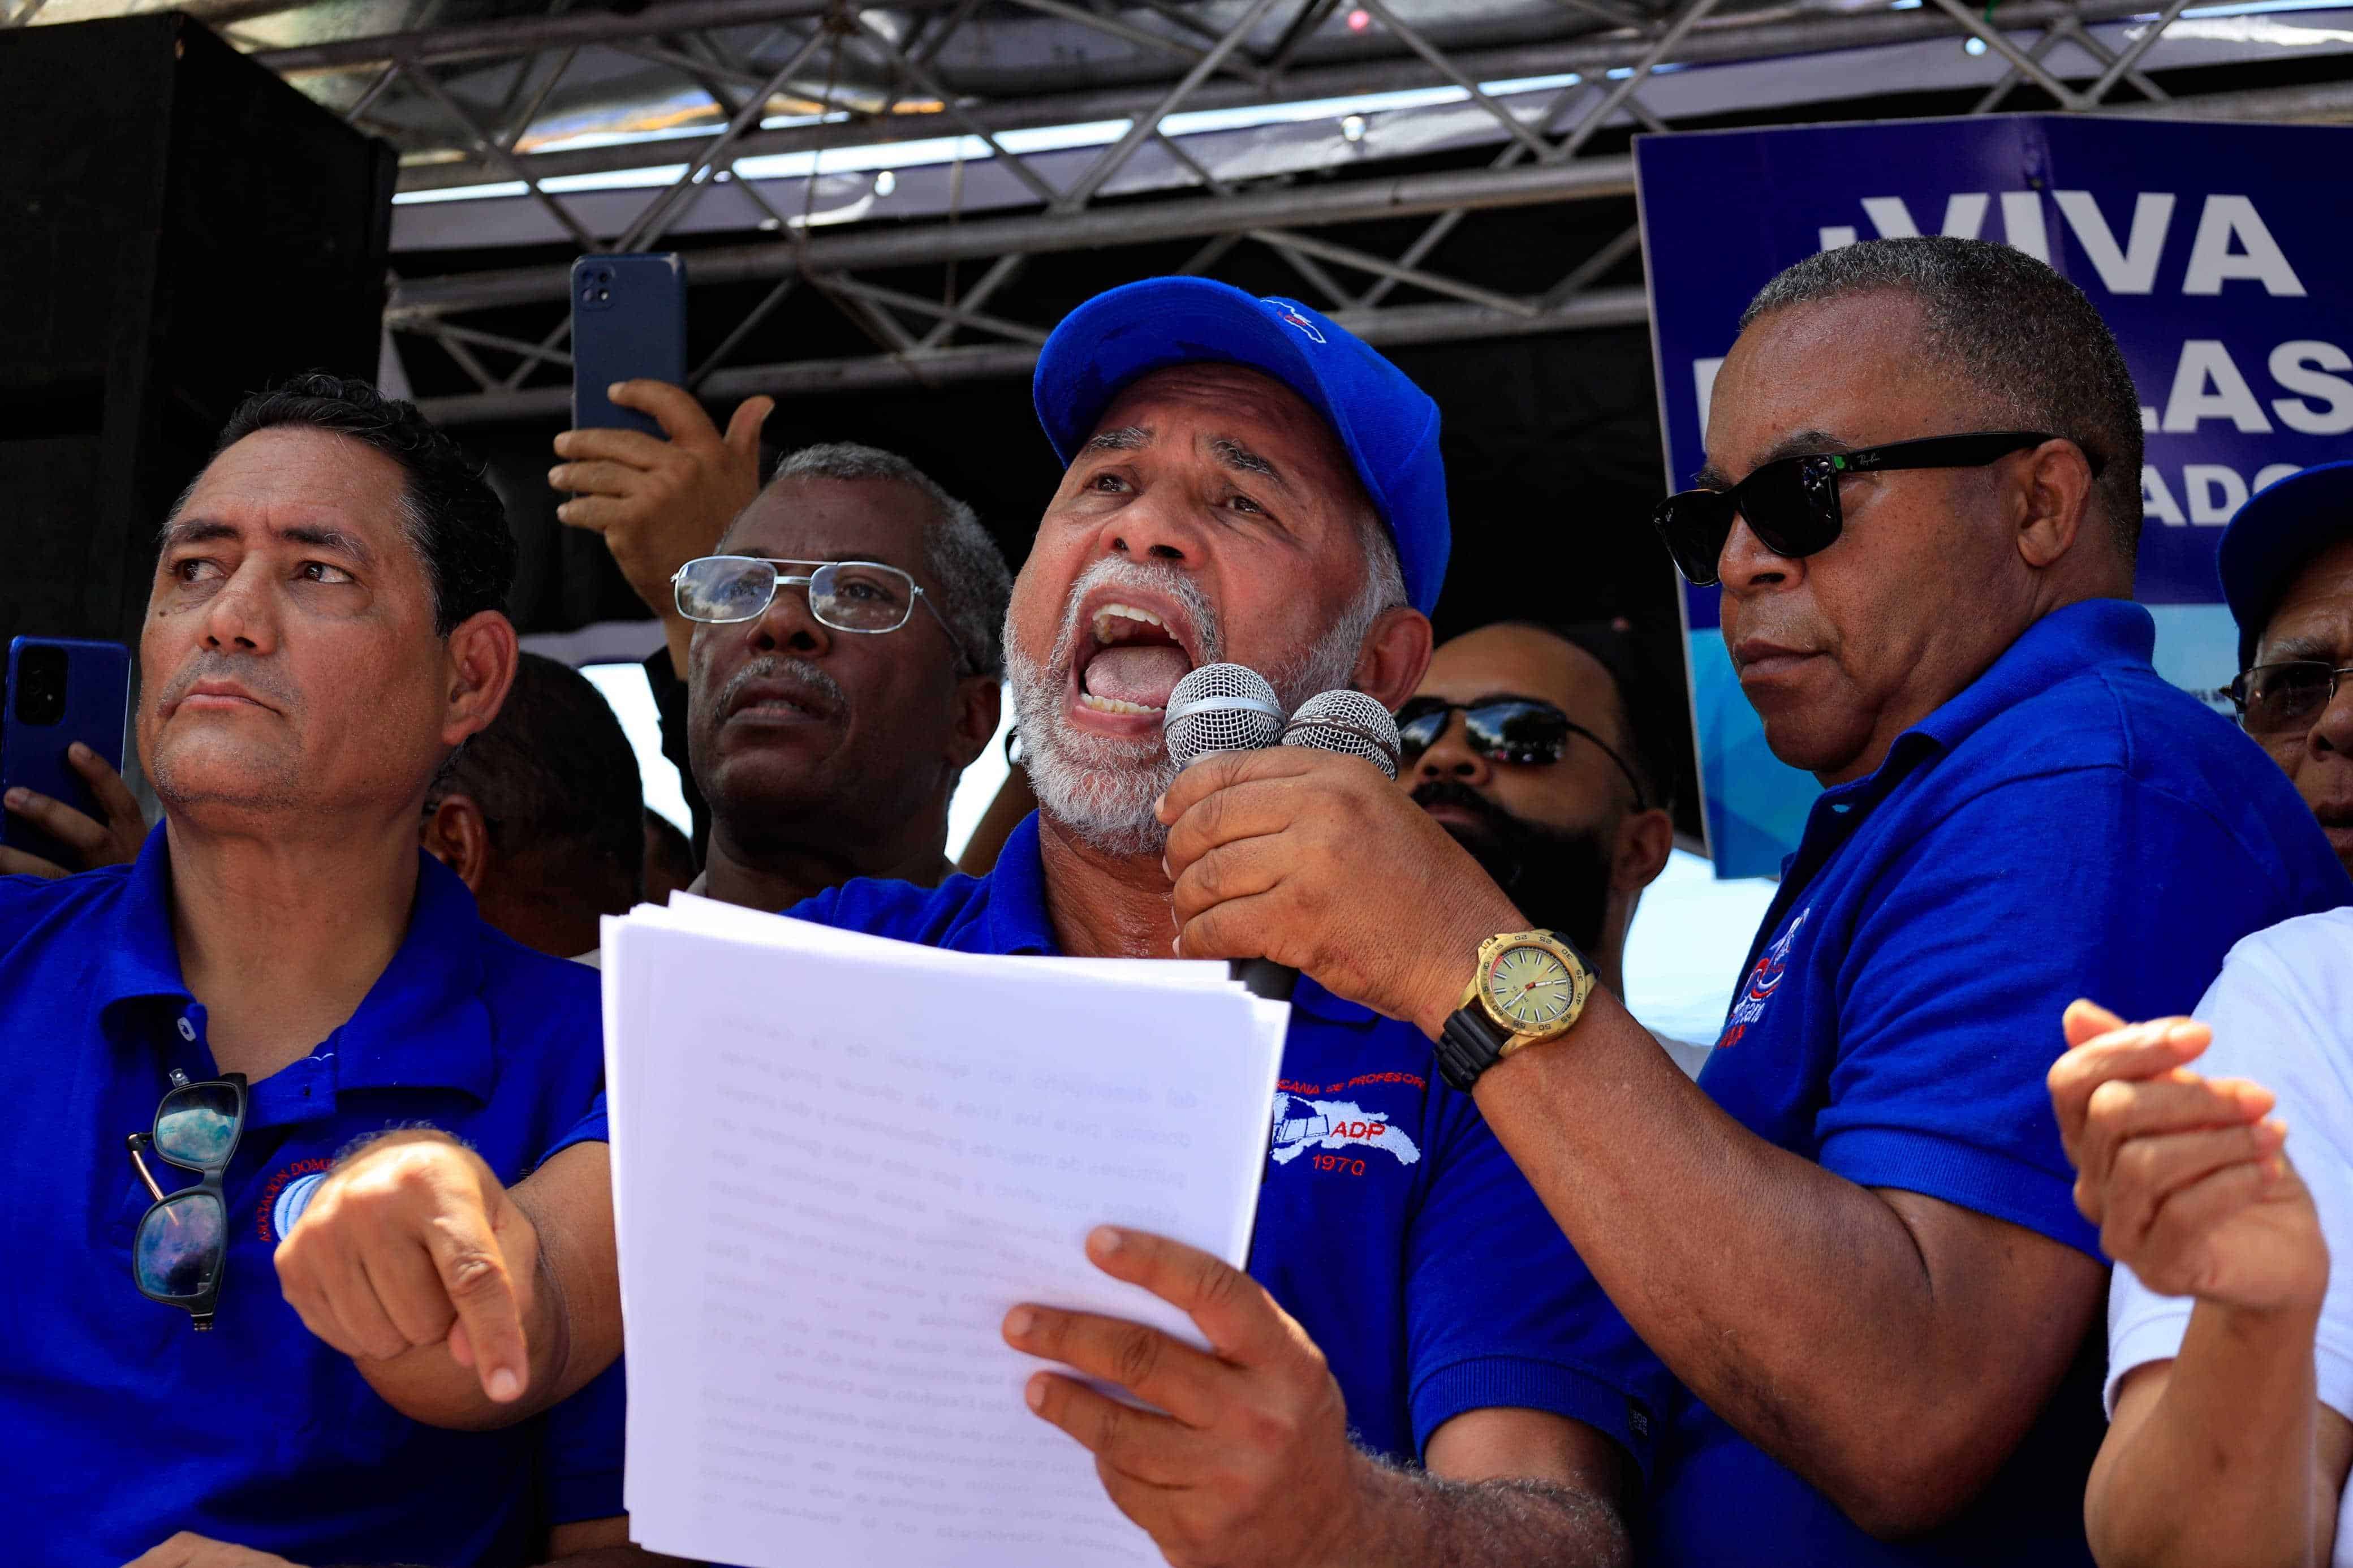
(2216, 252)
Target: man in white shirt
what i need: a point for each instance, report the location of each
(2229, 1383)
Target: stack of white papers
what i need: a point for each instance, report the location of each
(838, 1161)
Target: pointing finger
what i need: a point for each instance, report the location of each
(474, 1275)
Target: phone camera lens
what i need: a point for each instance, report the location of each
(41, 686)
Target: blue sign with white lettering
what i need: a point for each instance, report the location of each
(2213, 251)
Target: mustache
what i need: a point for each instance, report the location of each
(811, 681)
(1449, 792)
(256, 675)
(1118, 572)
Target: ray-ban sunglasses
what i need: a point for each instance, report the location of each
(1791, 505)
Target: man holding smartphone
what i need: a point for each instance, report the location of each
(279, 976)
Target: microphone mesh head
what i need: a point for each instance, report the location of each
(1347, 722)
(1221, 708)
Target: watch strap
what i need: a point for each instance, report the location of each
(1468, 1046)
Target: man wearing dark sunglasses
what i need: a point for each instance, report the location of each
(2286, 565)
(194, 1040)
(1524, 744)
(1855, 1242)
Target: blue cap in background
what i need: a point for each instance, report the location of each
(2273, 535)
(1387, 424)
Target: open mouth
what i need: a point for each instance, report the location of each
(1134, 660)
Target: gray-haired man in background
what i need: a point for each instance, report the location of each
(829, 718)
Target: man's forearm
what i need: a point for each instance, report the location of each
(1414, 1519)
(2218, 1469)
(1802, 1308)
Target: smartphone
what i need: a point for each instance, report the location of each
(628, 321)
(59, 692)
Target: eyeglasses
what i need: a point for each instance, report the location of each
(183, 1240)
(1502, 730)
(1792, 504)
(2284, 699)
(847, 596)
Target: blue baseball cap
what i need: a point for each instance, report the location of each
(1387, 424)
(2286, 524)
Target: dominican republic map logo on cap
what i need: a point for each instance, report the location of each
(1294, 314)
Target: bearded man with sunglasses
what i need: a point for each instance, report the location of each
(1855, 1242)
(1535, 748)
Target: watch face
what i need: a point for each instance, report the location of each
(1531, 986)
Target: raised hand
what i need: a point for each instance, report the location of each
(661, 503)
(2185, 1175)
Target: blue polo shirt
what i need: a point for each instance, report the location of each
(2068, 825)
(1390, 1221)
(123, 1423)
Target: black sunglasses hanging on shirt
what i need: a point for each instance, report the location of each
(182, 1246)
(1791, 505)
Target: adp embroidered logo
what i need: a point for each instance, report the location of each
(1296, 315)
(1764, 981)
(1301, 1124)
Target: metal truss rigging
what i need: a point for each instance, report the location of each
(809, 78)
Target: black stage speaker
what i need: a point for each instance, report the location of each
(178, 228)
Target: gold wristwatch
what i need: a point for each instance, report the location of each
(1530, 988)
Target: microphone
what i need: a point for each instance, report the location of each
(1349, 722)
(1221, 708)
(1229, 707)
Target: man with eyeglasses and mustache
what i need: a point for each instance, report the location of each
(1532, 745)
(842, 673)
(1416, 1368)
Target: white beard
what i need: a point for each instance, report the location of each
(1103, 788)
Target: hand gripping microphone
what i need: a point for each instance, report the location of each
(1231, 708)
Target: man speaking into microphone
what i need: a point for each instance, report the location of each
(1246, 483)
(1415, 1367)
